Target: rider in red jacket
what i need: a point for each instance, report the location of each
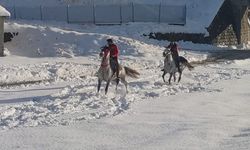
(114, 53)
(175, 54)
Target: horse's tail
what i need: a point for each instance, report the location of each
(190, 67)
(131, 73)
(186, 63)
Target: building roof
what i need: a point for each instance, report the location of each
(4, 12)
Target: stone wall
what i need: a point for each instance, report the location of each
(193, 37)
(248, 23)
(245, 28)
(227, 37)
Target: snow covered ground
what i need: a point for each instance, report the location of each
(201, 120)
(48, 96)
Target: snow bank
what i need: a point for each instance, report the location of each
(38, 39)
(4, 12)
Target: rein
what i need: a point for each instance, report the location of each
(104, 64)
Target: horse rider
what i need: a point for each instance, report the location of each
(114, 53)
(174, 48)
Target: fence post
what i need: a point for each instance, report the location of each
(121, 13)
(94, 14)
(133, 12)
(160, 13)
(15, 12)
(41, 12)
(185, 14)
(67, 13)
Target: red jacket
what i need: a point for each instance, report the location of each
(114, 51)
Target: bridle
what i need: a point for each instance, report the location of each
(105, 62)
(166, 53)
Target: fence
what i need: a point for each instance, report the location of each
(102, 14)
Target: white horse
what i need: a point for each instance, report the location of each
(170, 66)
(105, 73)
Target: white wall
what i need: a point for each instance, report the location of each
(1, 35)
(200, 12)
(103, 14)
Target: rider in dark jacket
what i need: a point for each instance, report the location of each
(175, 54)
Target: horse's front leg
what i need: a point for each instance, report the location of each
(163, 76)
(107, 86)
(99, 85)
(170, 77)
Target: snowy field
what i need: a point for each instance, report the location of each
(48, 96)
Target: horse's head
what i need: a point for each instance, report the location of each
(166, 52)
(105, 57)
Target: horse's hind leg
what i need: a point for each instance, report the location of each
(125, 83)
(107, 87)
(174, 77)
(117, 82)
(180, 74)
(99, 85)
(163, 76)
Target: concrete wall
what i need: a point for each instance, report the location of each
(103, 14)
(55, 13)
(85, 14)
(29, 13)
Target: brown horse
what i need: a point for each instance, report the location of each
(105, 73)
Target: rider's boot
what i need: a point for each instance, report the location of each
(117, 75)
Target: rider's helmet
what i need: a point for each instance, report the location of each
(110, 41)
(171, 44)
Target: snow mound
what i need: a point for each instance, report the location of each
(39, 39)
(4, 12)
(48, 41)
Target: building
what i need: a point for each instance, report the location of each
(3, 14)
(231, 25)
